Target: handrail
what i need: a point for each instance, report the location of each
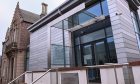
(41, 76)
(18, 77)
(96, 66)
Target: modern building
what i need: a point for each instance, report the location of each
(16, 44)
(86, 33)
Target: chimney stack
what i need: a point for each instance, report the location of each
(44, 10)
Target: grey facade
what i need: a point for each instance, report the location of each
(52, 46)
(124, 32)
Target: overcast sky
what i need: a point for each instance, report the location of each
(7, 8)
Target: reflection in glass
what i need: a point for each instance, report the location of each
(78, 56)
(57, 55)
(93, 36)
(105, 7)
(109, 32)
(112, 51)
(87, 54)
(94, 75)
(75, 20)
(58, 25)
(84, 17)
(95, 10)
(90, 13)
(100, 53)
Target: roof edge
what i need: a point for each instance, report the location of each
(54, 14)
(47, 15)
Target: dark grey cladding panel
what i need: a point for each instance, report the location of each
(134, 3)
(137, 2)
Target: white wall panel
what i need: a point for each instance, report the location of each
(123, 30)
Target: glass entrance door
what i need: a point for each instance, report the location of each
(100, 53)
(94, 53)
(87, 55)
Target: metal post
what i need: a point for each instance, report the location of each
(32, 76)
(87, 76)
(64, 50)
(56, 76)
(115, 74)
(128, 68)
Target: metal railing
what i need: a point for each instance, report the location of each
(87, 67)
(41, 76)
(18, 77)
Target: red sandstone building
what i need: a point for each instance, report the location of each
(15, 46)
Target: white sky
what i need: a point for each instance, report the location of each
(7, 8)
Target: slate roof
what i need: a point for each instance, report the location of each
(29, 16)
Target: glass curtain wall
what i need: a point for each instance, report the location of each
(60, 40)
(97, 46)
(93, 48)
(60, 46)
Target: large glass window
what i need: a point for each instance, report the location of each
(57, 54)
(109, 32)
(97, 47)
(100, 53)
(83, 17)
(87, 53)
(105, 7)
(112, 50)
(94, 11)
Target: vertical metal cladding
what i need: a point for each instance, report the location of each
(38, 50)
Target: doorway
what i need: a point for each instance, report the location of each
(94, 53)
